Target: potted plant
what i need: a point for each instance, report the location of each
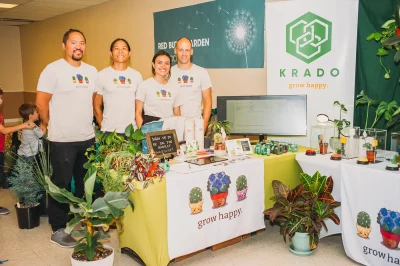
(389, 39)
(301, 211)
(218, 185)
(28, 192)
(196, 200)
(241, 187)
(389, 222)
(340, 124)
(221, 131)
(98, 214)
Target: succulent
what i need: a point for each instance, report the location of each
(218, 183)
(395, 159)
(129, 81)
(241, 183)
(115, 80)
(195, 195)
(179, 79)
(73, 78)
(363, 220)
(389, 221)
(368, 146)
(86, 78)
(191, 78)
(218, 138)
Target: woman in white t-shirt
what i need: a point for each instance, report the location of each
(156, 96)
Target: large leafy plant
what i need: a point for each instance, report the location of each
(304, 208)
(98, 214)
(340, 123)
(389, 111)
(388, 39)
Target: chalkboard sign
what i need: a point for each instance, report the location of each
(163, 143)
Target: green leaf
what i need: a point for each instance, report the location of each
(117, 199)
(306, 180)
(101, 222)
(138, 135)
(381, 52)
(75, 208)
(72, 223)
(87, 165)
(388, 24)
(99, 214)
(129, 130)
(78, 233)
(80, 247)
(320, 208)
(392, 41)
(90, 180)
(313, 240)
(397, 56)
(115, 212)
(61, 195)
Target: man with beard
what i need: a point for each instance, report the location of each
(65, 102)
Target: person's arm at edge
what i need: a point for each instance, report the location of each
(42, 104)
(177, 111)
(97, 103)
(207, 104)
(7, 130)
(138, 113)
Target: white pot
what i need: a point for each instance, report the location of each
(109, 261)
(220, 153)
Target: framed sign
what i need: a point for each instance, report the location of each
(163, 143)
(238, 146)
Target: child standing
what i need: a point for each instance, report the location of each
(30, 138)
(4, 131)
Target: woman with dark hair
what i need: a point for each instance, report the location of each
(117, 89)
(156, 96)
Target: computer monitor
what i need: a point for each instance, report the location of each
(277, 115)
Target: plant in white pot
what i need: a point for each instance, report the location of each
(99, 214)
(28, 192)
(301, 211)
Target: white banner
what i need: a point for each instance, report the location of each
(214, 205)
(371, 213)
(311, 49)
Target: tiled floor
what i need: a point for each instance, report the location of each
(33, 248)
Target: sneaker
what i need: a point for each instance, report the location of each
(63, 239)
(4, 211)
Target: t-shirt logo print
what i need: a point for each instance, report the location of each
(164, 93)
(191, 79)
(129, 81)
(79, 77)
(179, 80)
(185, 79)
(122, 79)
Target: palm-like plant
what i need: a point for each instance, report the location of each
(304, 208)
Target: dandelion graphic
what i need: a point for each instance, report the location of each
(190, 28)
(199, 13)
(221, 9)
(209, 21)
(241, 32)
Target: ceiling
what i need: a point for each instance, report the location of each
(29, 11)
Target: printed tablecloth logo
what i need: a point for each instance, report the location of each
(308, 37)
(196, 200)
(218, 185)
(389, 222)
(363, 224)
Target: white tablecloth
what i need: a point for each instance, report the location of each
(328, 167)
(368, 188)
(189, 232)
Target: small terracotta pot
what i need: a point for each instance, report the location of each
(390, 240)
(362, 231)
(196, 207)
(219, 146)
(219, 199)
(371, 156)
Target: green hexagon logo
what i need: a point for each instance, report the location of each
(308, 37)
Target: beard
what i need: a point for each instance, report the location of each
(77, 58)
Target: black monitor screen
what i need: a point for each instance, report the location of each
(278, 115)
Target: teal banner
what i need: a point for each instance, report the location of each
(224, 33)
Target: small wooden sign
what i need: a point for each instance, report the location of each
(163, 143)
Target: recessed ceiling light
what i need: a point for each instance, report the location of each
(2, 5)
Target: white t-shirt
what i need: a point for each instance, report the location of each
(159, 100)
(118, 89)
(71, 104)
(192, 83)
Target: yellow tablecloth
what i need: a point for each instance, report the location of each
(282, 167)
(146, 228)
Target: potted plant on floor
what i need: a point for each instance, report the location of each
(28, 192)
(99, 214)
(301, 211)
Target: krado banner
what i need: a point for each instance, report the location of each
(224, 33)
(312, 50)
(210, 204)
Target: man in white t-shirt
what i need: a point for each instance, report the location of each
(64, 99)
(194, 82)
(117, 88)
